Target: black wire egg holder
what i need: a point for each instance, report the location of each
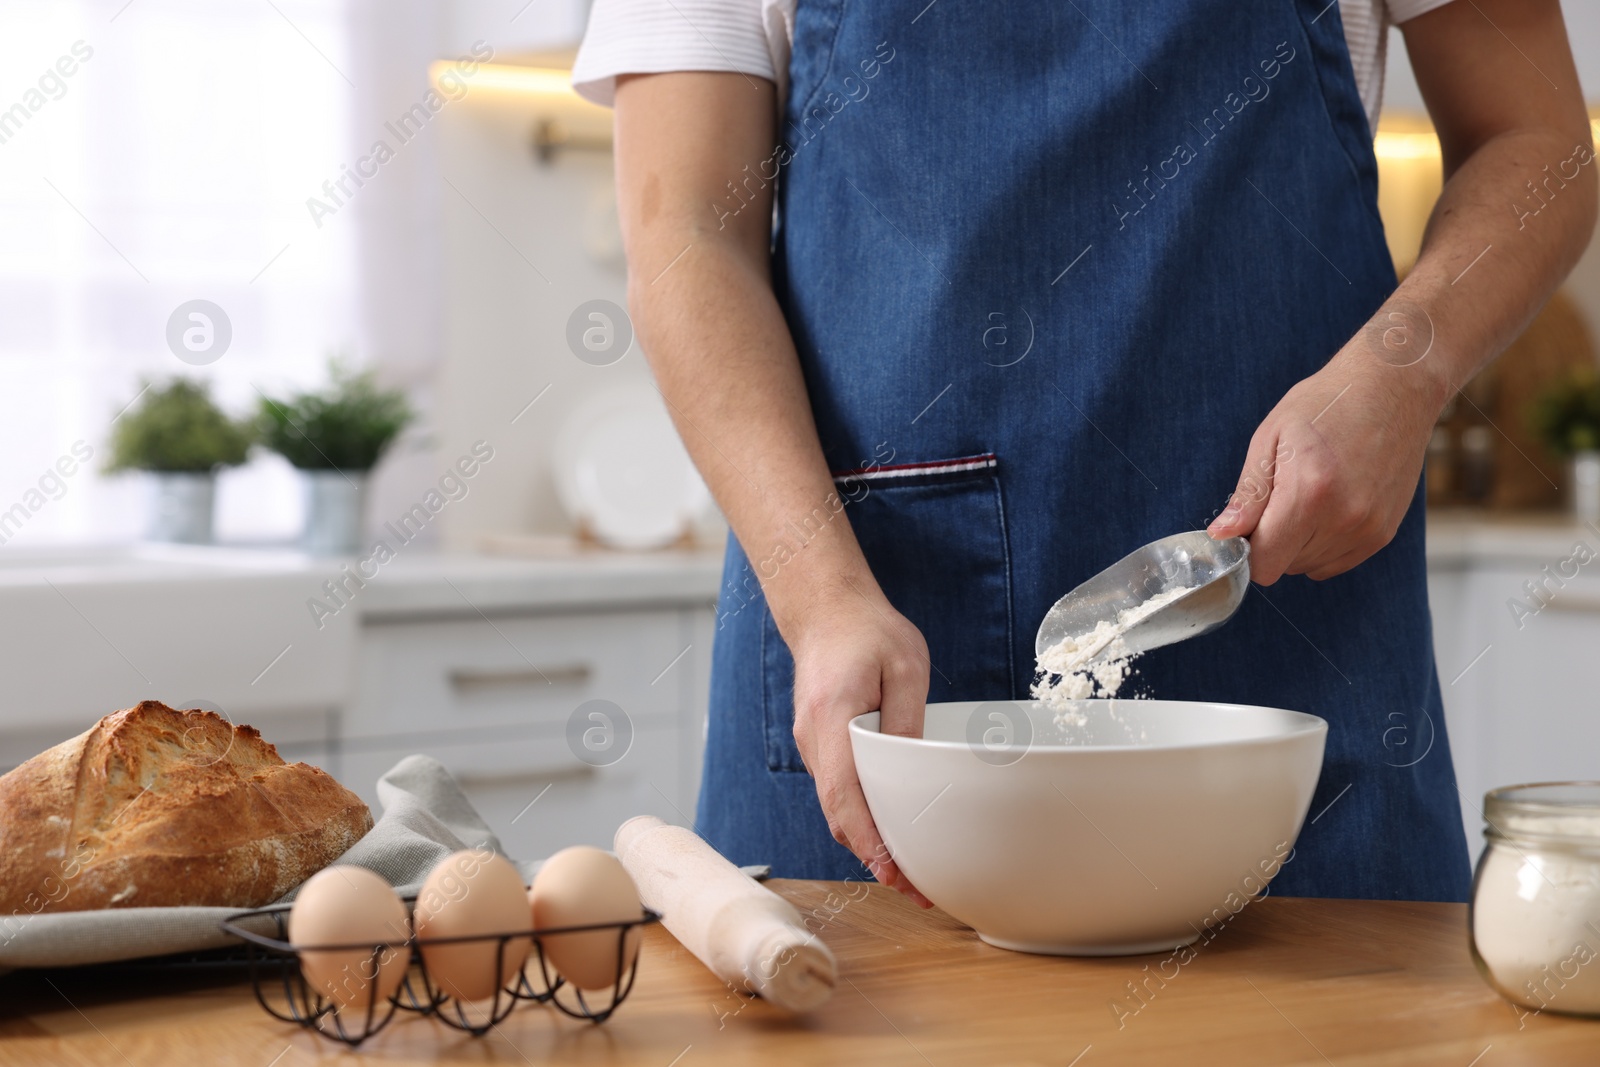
(418, 993)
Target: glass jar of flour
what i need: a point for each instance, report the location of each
(1535, 915)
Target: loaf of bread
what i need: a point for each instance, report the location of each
(156, 807)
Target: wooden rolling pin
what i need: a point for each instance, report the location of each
(749, 936)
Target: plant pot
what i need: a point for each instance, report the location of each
(1585, 486)
(181, 506)
(335, 503)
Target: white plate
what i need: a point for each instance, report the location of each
(622, 471)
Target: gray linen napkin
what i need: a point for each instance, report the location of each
(425, 818)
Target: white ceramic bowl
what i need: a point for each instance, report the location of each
(1130, 832)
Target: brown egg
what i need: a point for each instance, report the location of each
(581, 886)
(346, 905)
(472, 892)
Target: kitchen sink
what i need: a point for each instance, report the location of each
(139, 560)
(86, 630)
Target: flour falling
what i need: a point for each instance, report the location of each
(1096, 663)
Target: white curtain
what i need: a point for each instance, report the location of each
(154, 152)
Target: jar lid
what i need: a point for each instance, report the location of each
(1545, 811)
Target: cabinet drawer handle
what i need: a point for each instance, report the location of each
(564, 674)
(1581, 606)
(492, 779)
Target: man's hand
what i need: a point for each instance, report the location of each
(853, 655)
(1332, 469)
(701, 296)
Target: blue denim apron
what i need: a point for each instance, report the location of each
(1084, 249)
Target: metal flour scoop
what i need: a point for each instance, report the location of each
(1214, 574)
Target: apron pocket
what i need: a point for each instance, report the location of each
(934, 535)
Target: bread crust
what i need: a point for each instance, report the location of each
(154, 807)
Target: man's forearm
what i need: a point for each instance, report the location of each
(1510, 224)
(706, 316)
(727, 367)
(1332, 471)
(1518, 204)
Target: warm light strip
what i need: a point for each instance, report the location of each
(1390, 144)
(505, 77)
(1394, 144)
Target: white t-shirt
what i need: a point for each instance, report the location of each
(752, 37)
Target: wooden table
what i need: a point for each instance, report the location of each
(1285, 982)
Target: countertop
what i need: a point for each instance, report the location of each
(520, 573)
(1458, 538)
(551, 575)
(529, 572)
(513, 573)
(1287, 981)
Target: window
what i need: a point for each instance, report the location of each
(154, 152)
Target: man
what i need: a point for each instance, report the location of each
(1048, 281)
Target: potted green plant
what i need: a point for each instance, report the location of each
(179, 437)
(335, 437)
(1566, 417)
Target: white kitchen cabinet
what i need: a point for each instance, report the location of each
(1521, 696)
(479, 661)
(540, 812)
(504, 702)
(1543, 688)
(532, 671)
